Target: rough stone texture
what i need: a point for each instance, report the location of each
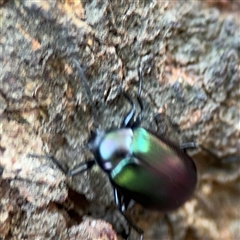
(92, 229)
(190, 54)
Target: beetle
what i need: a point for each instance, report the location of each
(141, 165)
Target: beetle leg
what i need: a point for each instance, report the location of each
(185, 146)
(122, 204)
(130, 115)
(188, 145)
(170, 225)
(228, 159)
(82, 167)
(87, 89)
(127, 121)
(135, 227)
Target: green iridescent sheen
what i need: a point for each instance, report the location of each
(154, 173)
(130, 172)
(127, 175)
(131, 175)
(149, 147)
(141, 140)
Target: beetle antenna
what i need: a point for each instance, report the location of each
(140, 76)
(130, 115)
(139, 117)
(86, 86)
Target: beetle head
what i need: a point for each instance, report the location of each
(95, 139)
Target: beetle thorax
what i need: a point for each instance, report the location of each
(111, 148)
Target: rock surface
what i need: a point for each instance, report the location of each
(190, 52)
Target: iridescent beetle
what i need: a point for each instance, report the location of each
(141, 166)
